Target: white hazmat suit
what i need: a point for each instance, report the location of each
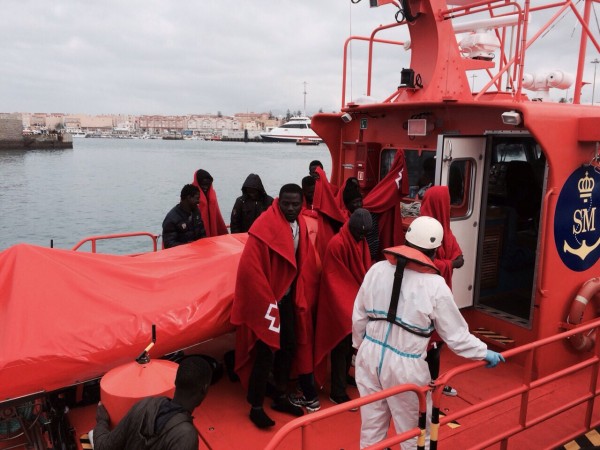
(389, 355)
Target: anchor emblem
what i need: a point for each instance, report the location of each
(582, 251)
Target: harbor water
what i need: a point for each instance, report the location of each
(107, 186)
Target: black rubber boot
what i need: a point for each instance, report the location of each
(259, 417)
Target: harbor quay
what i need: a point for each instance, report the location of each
(242, 126)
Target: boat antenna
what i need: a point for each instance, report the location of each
(144, 357)
(305, 83)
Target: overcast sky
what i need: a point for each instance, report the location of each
(205, 56)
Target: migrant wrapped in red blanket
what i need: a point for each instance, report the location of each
(67, 317)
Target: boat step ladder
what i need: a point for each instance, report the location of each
(493, 338)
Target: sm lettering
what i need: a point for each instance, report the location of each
(583, 220)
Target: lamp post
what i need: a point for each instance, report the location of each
(305, 83)
(595, 63)
(473, 82)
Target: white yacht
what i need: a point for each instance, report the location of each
(293, 130)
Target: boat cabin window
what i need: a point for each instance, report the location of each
(460, 186)
(385, 161)
(296, 125)
(420, 165)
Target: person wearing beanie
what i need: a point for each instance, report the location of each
(209, 206)
(384, 201)
(350, 199)
(400, 302)
(347, 260)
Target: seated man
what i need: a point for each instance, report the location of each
(158, 422)
(183, 223)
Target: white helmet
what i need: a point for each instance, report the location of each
(425, 232)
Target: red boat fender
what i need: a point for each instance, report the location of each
(582, 342)
(123, 386)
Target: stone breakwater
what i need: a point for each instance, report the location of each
(50, 141)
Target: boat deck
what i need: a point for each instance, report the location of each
(223, 422)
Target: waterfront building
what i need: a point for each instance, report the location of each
(201, 125)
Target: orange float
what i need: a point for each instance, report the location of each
(583, 342)
(124, 386)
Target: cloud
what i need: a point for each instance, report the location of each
(189, 56)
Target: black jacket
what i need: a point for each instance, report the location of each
(151, 424)
(245, 210)
(181, 227)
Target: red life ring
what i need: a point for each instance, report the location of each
(583, 342)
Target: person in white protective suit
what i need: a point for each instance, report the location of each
(392, 335)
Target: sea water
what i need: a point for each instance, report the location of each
(107, 186)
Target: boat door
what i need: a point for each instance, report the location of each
(461, 168)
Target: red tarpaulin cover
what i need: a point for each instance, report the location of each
(69, 316)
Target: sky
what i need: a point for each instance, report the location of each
(208, 56)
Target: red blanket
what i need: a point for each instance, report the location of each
(267, 268)
(312, 225)
(330, 217)
(210, 212)
(436, 204)
(339, 198)
(346, 263)
(384, 200)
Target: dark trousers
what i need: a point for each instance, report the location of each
(341, 359)
(280, 361)
(307, 385)
(433, 360)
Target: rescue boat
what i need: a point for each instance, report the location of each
(524, 176)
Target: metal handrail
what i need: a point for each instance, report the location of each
(94, 239)
(310, 440)
(371, 40)
(529, 382)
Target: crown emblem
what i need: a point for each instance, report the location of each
(585, 186)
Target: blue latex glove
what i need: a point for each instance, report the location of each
(493, 358)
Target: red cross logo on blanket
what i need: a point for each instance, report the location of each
(274, 325)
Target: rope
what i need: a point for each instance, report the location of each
(565, 12)
(596, 17)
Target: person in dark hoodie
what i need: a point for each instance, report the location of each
(251, 204)
(159, 423)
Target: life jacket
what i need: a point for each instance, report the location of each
(403, 256)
